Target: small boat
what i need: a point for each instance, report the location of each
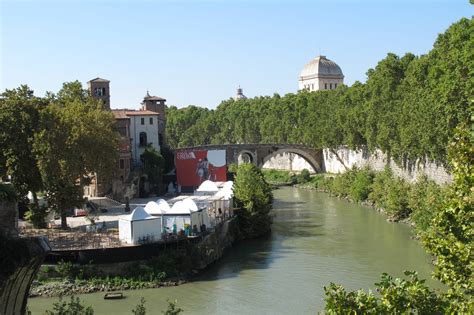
(113, 296)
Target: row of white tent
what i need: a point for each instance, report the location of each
(156, 217)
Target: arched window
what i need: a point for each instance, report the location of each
(143, 141)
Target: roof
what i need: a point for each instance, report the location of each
(157, 208)
(321, 67)
(99, 80)
(207, 185)
(179, 208)
(126, 113)
(149, 97)
(138, 214)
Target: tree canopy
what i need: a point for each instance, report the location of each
(408, 108)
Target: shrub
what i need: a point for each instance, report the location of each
(66, 269)
(276, 176)
(361, 185)
(73, 307)
(380, 187)
(397, 296)
(303, 177)
(424, 199)
(396, 204)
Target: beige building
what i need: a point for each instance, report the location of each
(137, 129)
(320, 74)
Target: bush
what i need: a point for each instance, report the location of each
(380, 187)
(424, 199)
(37, 216)
(396, 203)
(74, 307)
(276, 176)
(361, 185)
(397, 296)
(303, 177)
(342, 183)
(66, 269)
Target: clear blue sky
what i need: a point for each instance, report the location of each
(198, 52)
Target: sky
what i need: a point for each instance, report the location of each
(199, 52)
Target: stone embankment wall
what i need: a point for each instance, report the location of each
(289, 162)
(377, 161)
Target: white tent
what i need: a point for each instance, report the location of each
(164, 206)
(176, 218)
(199, 216)
(139, 227)
(228, 185)
(207, 188)
(157, 208)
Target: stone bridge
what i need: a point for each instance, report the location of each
(261, 153)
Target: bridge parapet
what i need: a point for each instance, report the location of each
(260, 153)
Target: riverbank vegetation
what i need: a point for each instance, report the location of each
(448, 236)
(407, 108)
(399, 199)
(254, 197)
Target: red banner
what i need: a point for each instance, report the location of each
(195, 166)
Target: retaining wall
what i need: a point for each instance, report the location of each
(377, 162)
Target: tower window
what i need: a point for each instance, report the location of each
(330, 86)
(335, 85)
(143, 121)
(151, 120)
(99, 91)
(122, 164)
(325, 86)
(143, 140)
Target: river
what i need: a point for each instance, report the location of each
(315, 239)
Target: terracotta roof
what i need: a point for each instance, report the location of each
(141, 113)
(126, 113)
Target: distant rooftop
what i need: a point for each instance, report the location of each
(149, 97)
(99, 80)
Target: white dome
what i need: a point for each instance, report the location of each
(179, 208)
(164, 206)
(208, 185)
(139, 213)
(321, 67)
(188, 202)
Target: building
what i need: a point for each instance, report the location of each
(99, 89)
(320, 74)
(240, 94)
(141, 128)
(137, 129)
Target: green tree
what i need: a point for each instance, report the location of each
(254, 195)
(153, 166)
(450, 237)
(19, 121)
(75, 141)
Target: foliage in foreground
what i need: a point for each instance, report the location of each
(254, 195)
(73, 307)
(396, 296)
(450, 236)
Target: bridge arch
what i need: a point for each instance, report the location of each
(300, 152)
(246, 156)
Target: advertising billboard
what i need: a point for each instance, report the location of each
(195, 166)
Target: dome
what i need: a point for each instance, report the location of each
(188, 202)
(208, 185)
(240, 94)
(139, 214)
(321, 67)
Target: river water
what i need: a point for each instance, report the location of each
(315, 239)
